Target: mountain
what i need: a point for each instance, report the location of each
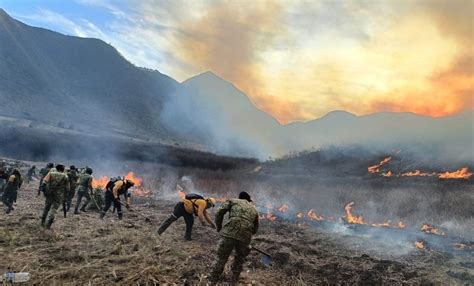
(63, 84)
(77, 83)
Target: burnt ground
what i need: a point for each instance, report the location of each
(81, 249)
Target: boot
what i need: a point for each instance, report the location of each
(102, 215)
(83, 209)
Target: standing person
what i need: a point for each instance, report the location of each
(113, 191)
(73, 177)
(236, 234)
(191, 205)
(57, 186)
(31, 172)
(84, 189)
(43, 172)
(11, 190)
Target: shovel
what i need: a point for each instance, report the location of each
(266, 258)
(147, 219)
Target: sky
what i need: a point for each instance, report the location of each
(296, 60)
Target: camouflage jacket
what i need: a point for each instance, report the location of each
(73, 177)
(242, 222)
(57, 182)
(84, 182)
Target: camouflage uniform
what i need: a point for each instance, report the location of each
(43, 172)
(11, 192)
(57, 188)
(83, 191)
(73, 177)
(236, 234)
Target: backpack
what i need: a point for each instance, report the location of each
(192, 197)
(111, 183)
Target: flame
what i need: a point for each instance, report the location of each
(313, 216)
(462, 246)
(131, 176)
(376, 168)
(401, 224)
(431, 229)
(419, 244)
(387, 174)
(462, 173)
(385, 224)
(300, 215)
(283, 208)
(100, 183)
(418, 173)
(269, 215)
(351, 218)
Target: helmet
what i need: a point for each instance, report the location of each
(60, 167)
(129, 182)
(72, 167)
(245, 196)
(89, 171)
(50, 165)
(212, 201)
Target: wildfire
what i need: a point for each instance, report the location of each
(313, 216)
(462, 246)
(283, 208)
(385, 224)
(269, 215)
(300, 215)
(387, 174)
(100, 183)
(462, 173)
(418, 173)
(351, 218)
(131, 176)
(419, 244)
(401, 224)
(431, 229)
(376, 168)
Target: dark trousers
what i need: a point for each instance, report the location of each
(70, 196)
(109, 199)
(179, 211)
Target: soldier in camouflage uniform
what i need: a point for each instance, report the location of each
(43, 172)
(73, 178)
(84, 187)
(11, 190)
(236, 234)
(57, 186)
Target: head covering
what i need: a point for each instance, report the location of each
(245, 196)
(212, 201)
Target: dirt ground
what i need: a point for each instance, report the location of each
(82, 249)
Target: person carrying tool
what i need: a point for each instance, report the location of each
(236, 234)
(191, 204)
(115, 188)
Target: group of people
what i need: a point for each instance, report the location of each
(60, 186)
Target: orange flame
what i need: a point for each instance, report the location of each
(419, 244)
(387, 174)
(462, 173)
(401, 224)
(351, 218)
(376, 168)
(431, 229)
(418, 173)
(131, 176)
(313, 216)
(462, 246)
(100, 183)
(283, 208)
(385, 224)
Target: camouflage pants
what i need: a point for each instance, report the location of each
(82, 194)
(225, 247)
(53, 201)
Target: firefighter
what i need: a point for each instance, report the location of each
(57, 187)
(31, 172)
(73, 179)
(43, 172)
(114, 189)
(84, 189)
(236, 234)
(11, 190)
(190, 205)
